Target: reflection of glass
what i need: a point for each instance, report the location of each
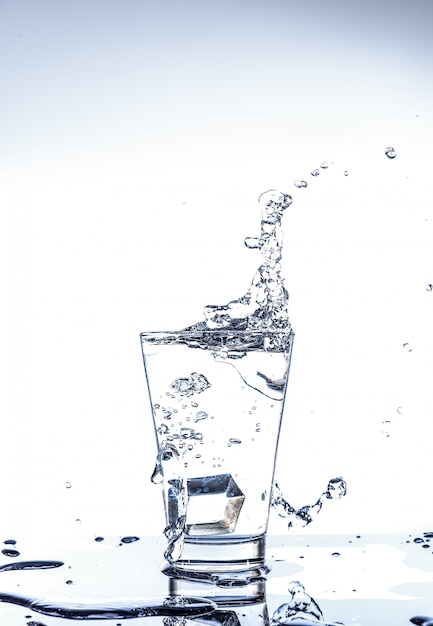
(217, 400)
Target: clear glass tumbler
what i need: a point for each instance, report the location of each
(217, 399)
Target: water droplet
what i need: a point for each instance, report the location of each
(69, 582)
(429, 287)
(390, 152)
(346, 173)
(315, 172)
(130, 539)
(200, 415)
(337, 488)
(10, 552)
(336, 554)
(324, 165)
(400, 410)
(10, 542)
(234, 440)
(252, 242)
(99, 539)
(300, 184)
(68, 485)
(407, 347)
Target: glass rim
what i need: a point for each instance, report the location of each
(222, 332)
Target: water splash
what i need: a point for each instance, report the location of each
(169, 469)
(300, 605)
(299, 518)
(265, 304)
(300, 610)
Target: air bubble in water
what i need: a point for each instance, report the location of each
(68, 485)
(324, 165)
(300, 184)
(429, 287)
(390, 152)
(346, 173)
(315, 172)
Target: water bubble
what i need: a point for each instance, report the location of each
(315, 172)
(346, 173)
(130, 539)
(429, 287)
(300, 184)
(324, 165)
(234, 440)
(390, 152)
(385, 430)
(407, 347)
(418, 540)
(99, 539)
(399, 410)
(187, 433)
(69, 582)
(68, 485)
(10, 542)
(335, 554)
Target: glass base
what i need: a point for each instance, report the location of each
(229, 563)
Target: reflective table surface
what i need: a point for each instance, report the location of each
(356, 580)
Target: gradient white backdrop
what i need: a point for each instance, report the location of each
(135, 138)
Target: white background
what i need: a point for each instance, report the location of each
(135, 139)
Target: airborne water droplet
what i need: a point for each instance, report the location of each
(68, 485)
(429, 287)
(300, 184)
(315, 172)
(324, 165)
(252, 242)
(390, 152)
(346, 173)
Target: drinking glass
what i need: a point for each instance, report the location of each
(217, 399)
